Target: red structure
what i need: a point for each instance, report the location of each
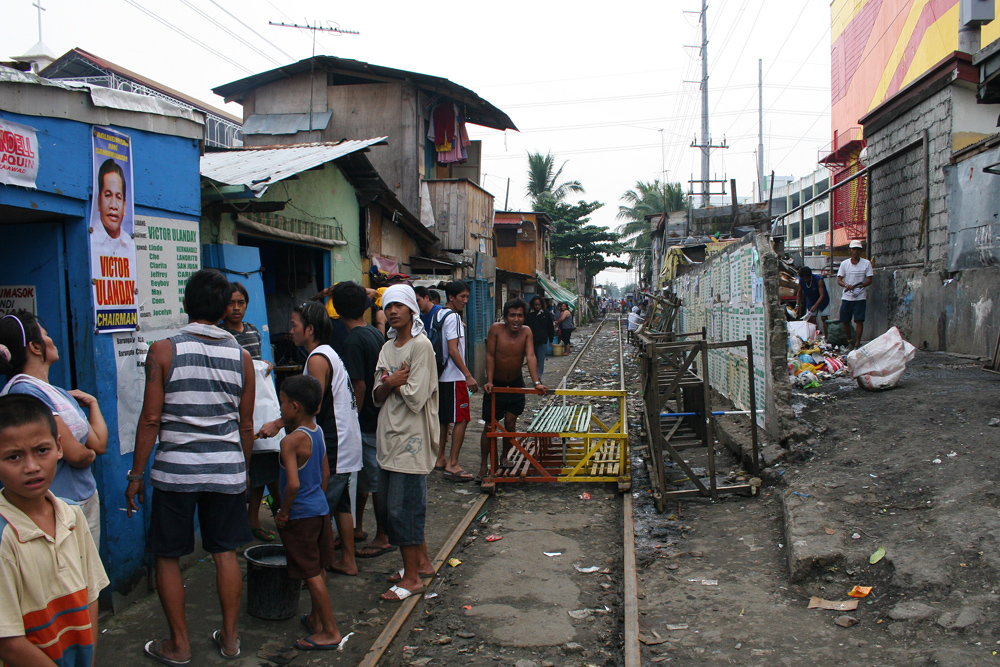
(848, 211)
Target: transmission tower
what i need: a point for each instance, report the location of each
(706, 144)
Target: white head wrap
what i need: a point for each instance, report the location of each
(405, 295)
(635, 309)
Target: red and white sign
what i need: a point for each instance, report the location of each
(18, 154)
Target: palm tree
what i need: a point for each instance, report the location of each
(646, 199)
(543, 180)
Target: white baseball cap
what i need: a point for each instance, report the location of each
(856, 244)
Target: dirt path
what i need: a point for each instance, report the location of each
(909, 470)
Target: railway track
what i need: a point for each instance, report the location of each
(400, 625)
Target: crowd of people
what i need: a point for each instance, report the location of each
(387, 406)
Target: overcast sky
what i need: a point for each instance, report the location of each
(606, 91)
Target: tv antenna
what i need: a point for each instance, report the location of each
(316, 29)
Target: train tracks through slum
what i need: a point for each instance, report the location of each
(621, 636)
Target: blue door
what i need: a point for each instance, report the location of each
(34, 255)
(241, 264)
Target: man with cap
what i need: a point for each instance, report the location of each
(406, 390)
(854, 275)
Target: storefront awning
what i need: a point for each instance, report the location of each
(557, 291)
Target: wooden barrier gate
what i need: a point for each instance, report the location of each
(563, 443)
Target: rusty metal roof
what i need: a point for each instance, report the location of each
(345, 71)
(259, 167)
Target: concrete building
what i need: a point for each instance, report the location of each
(806, 231)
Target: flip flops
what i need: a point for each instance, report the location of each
(458, 477)
(401, 593)
(397, 576)
(373, 552)
(152, 650)
(217, 640)
(313, 646)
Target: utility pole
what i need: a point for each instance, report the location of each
(760, 128)
(706, 139)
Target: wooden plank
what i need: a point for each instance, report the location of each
(633, 654)
(407, 606)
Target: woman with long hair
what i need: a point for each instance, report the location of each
(26, 355)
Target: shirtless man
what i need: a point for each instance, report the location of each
(508, 345)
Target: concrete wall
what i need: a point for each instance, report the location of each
(912, 288)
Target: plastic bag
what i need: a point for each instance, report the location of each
(880, 364)
(266, 409)
(794, 345)
(804, 330)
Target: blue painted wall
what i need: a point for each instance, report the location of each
(166, 184)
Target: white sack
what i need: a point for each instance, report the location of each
(265, 409)
(804, 330)
(880, 363)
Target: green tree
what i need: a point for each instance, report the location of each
(575, 237)
(543, 180)
(646, 198)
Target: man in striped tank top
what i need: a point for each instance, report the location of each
(198, 401)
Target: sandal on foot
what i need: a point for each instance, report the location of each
(373, 552)
(313, 646)
(263, 535)
(152, 650)
(401, 593)
(217, 640)
(460, 476)
(397, 576)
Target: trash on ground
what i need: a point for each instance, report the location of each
(454, 562)
(552, 554)
(466, 606)
(937, 461)
(859, 591)
(494, 538)
(677, 626)
(652, 641)
(430, 596)
(584, 570)
(584, 496)
(877, 556)
(817, 602)
(856, 536)
(830, 531)
(846, 621)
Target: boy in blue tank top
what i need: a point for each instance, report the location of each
(304, 518)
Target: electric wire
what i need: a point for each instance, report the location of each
(229, 31)
(242, 23)
(188, 36)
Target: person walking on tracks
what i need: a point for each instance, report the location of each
(198, 402)
(543, 330)
(508, 345)
(854, 275)
(456, 381)
(407, 391)
(565, 325)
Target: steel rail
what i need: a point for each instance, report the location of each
(398, 620)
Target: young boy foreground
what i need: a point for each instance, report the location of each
(304, 518)
(50, 573)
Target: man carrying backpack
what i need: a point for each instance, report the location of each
(455, 382)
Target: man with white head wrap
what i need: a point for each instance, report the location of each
(634, 319)
(406, 388)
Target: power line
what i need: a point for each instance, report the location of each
(577, 78)
(188, 36)
(240, 21)
(229, 31)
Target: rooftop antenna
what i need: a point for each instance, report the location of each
(40, 10)
(312, 60)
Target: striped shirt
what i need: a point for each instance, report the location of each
(47, 583)
(200, 447)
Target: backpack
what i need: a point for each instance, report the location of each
(437, 339)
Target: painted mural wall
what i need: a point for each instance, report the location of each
(879, 46)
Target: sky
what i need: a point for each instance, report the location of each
(613, 93)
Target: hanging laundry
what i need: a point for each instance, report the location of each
(448, 133)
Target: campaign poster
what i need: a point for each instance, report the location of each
(112, 249)
(18, 156)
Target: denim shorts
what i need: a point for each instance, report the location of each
(403, 507)
(338, 493)
(368, 476)
(853, 308)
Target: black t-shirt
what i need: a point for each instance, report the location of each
(361, 350)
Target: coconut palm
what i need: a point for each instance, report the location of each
(543, 180)
(645, 199)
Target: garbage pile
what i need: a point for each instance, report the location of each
(811, 360)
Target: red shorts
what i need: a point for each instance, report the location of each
(453, 402)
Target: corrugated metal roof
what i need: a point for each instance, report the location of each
(259, 168)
